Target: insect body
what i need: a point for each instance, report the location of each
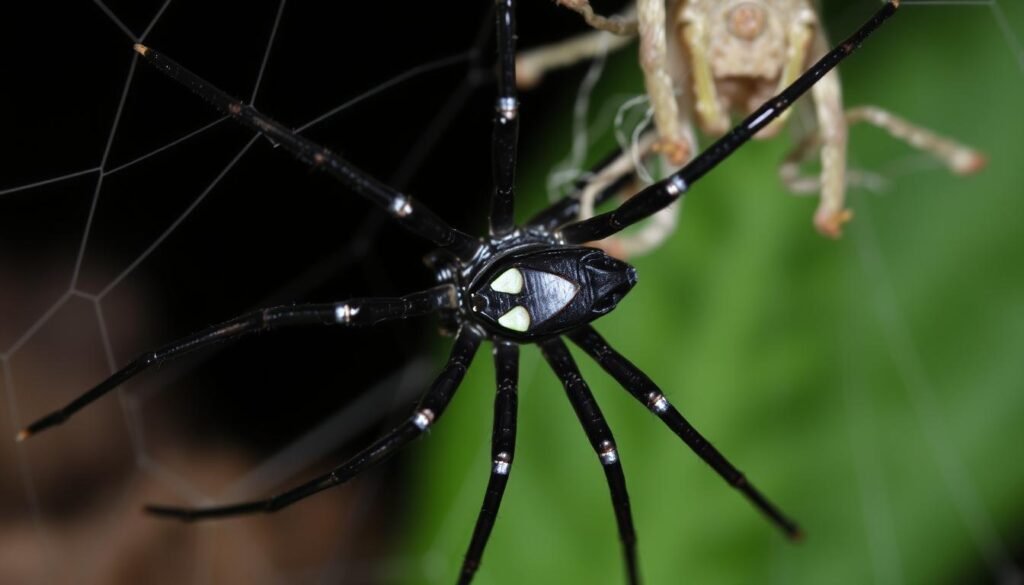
(706, 62)
(530, 283)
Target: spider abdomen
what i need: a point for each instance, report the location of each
(534, 294)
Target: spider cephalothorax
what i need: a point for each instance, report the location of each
(521, 284)
(527, 287)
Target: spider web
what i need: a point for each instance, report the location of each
(133, 214)
(109, 192)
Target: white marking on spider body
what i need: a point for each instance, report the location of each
(508, 107)
(502, 463)
(344, 312)
(518, 319)
(608, 453)
(675, 185)
(423, 418)
(401, 206)
(657, 402)
(510, 281)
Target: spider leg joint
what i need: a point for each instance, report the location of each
(508, 107)
(502, 463)
(676, 186)
(344, 313)
(607, 452)
(657, 402)
(423, 418)
(401, 206)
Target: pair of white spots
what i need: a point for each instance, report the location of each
(557, 291)
(511, 282)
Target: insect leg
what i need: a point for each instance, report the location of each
(663, 193)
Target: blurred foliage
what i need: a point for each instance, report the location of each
(870, 386)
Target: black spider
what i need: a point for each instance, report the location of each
(520, 284)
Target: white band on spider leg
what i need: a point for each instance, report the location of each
(657, 402)
(344, 312)
(401, 206)
(423, 418)
(502, 463)
(607, 453)
(676, 186)
(508, 107)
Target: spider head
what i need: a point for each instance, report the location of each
(540, 292)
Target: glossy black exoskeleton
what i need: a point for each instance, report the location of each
(527, 287)
(527, 284)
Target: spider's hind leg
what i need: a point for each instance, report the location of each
(430, 408)
(600, 436)
(503, 444)
(644, 390)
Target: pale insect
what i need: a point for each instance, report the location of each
(708, 61)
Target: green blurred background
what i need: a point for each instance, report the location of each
(870, 386)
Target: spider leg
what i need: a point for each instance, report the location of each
(411, 215)
(600, 436)
(430, 408)
(353, 312)
(659, 226)
(664, 192)
(505, 133)
(647, 392)
(503, 444)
